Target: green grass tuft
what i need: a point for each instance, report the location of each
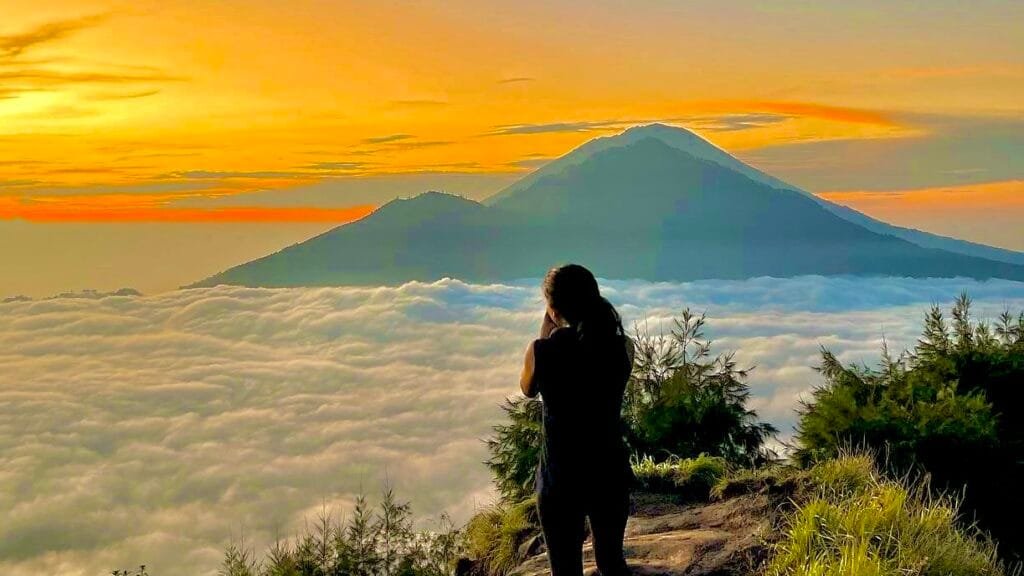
(860, 524)
(777, 478)
(688, 478)
(495, 535)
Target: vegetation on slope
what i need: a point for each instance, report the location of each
(952, 408)
(853, 521)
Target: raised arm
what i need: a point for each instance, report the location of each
(528, 380)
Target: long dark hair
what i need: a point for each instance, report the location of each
(572, 291)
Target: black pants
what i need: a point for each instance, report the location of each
(562, 521)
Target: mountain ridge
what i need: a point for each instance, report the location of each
(634, 208)
(693, 143)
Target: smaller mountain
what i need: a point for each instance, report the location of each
(422, 238)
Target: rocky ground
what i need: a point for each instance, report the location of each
(664, 538)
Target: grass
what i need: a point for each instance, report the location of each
(777, 478)
(495, 535)
(857, 523)
(688, 478)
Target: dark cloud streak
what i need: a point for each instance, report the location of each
(14, 45)
(388, 138)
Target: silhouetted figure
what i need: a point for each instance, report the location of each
(579, 366)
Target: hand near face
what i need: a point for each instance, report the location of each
(547, 326)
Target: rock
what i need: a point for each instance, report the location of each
(466, 567)
(663, 538)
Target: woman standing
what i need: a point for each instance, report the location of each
(579, 366)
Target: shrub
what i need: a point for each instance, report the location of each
(844, 475)
(688, 478)
(953, 407)
(372, 542)
(682, 401)
(496, 534)
(515, 449)
(775, 477)
(654, 476)
(861, 524)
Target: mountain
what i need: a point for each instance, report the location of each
(655, 203)
(699, 148)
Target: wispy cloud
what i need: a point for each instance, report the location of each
(718, 116)
(1003, 195)
(516, 80)
(733, 122)
(123, 95)
(338, 166)
(225, 174)
(20, 75)
(531, 161)
(17, 183)
(14, 45)
(418, 144)
(396, 142)
(54, 77)
(153, 208)
(388, 138)
(807, 109)
(936, 150)
(552, 127)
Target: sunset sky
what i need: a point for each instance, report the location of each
(149, 144)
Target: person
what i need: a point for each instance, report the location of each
(579, 366)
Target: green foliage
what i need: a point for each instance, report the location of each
(844, 476)
(372, 542)
(682, 401)
(689, 478)
(775, 476)
(515, 449)
(495, 536)
(953, 407)
(239, 561)
(859, 524)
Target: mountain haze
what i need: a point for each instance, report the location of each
(654, 203)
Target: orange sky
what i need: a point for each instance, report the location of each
(304, 111)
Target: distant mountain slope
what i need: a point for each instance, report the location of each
(639, 207)
(422, 238)
(696, 146)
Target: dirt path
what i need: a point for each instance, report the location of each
(718, 539)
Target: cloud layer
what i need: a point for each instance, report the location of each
(149, 429)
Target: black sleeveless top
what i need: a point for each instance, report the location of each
(582, 385)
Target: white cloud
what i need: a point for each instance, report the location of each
(149, 429)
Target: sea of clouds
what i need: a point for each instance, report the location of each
(153, 429)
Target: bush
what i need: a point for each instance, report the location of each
(844, 476)
(495, 536)
(682, 402)
(953, 407)
(689, 478)
(381, 543)
(860, 524)
(777, 477)
(515, 449)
